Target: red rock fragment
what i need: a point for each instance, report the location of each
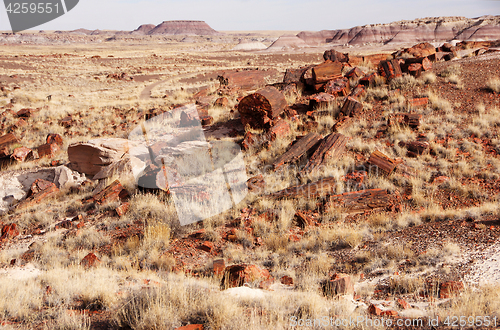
(122, 209)
(221, 102)
(418, 102)
(403, 304)
(256, 184)
(207, 246)
(339, 284)
(286, 280)
(48, 150)
(191, 327)
(111, 193)
(237, 275)
(374, 310)
(9, 231)
(90, 260)
(219, 266)
(40, 190)
(390, 313)
(55, 138)
(451, 288)
(22, 154)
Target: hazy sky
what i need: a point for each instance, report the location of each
(226, 15)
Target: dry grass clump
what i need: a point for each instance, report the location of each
(428, 78)
(454, 69)
(405, 82)
(493, 85)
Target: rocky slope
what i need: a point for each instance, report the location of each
(433, 29)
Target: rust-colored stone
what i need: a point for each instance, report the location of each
(326, 71)
(206, 246)
(122, 209)
(111, 193)
(256, 184)
(90, 260)
(450, 289)
(219, 265)
(286, 280)
(9, 231)
(22, 154)
(279, 130)
(351, 107)
(237, 275)
(48, 150)
(55, 138)
(302, 146)
(381, 161)
(261, 108)
(338, 87)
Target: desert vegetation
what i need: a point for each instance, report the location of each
(97, 250)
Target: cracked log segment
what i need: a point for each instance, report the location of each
(295, 75)
(351, 107)
(261, 108)
(334, 55)
(327, 71)
(423, 61)
(298, 149)
(244, 80)
(311, 190)
(390, 69)
(360, 201)
(7, 140)
(330, 148)
(381, 161)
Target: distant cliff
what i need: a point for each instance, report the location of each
(431, 29)
(199, 28)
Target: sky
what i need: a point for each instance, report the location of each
(245, 15)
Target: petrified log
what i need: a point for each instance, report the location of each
(113, 192)
(334, 55)
(418, 102)
(351, 107)
(343, 123)
(262, 107)
(368, 80)
(415, 147)
(244, 80)
(311, 190)
(330, 148)
(295, 75)
(357, 92)
(280, 129)
(381, 161)
(360, 201)
(412, 119)
(7, 140)
(326, 71)
(298, 149)
(338, 87)
(390, 69)
(320, 100)
(355, 73)
(414, 69)
(424, 61)
(375, 58)
(304, 220)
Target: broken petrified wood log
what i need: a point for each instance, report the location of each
(413, 119)
(414, 69)
(368, 80)
(381, 161)
(360, 201)
(298, 149)
(351, 107)
(311, 190)
(424, 61)
(280, 129)
(244, 80)
(7, 140)
(415, 148)
(355, 73)
(330, 148)
(304, 220)
(320, 100)
(358, 92)
(326, 71)
(390, 69)
(334, 55)
(111, 193)
(262, 107)
(295, 75)
(338, 87)
(418, 102)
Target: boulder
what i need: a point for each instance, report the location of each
(15, 185)
(90, 260)
(91, 157)
(238, 275)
